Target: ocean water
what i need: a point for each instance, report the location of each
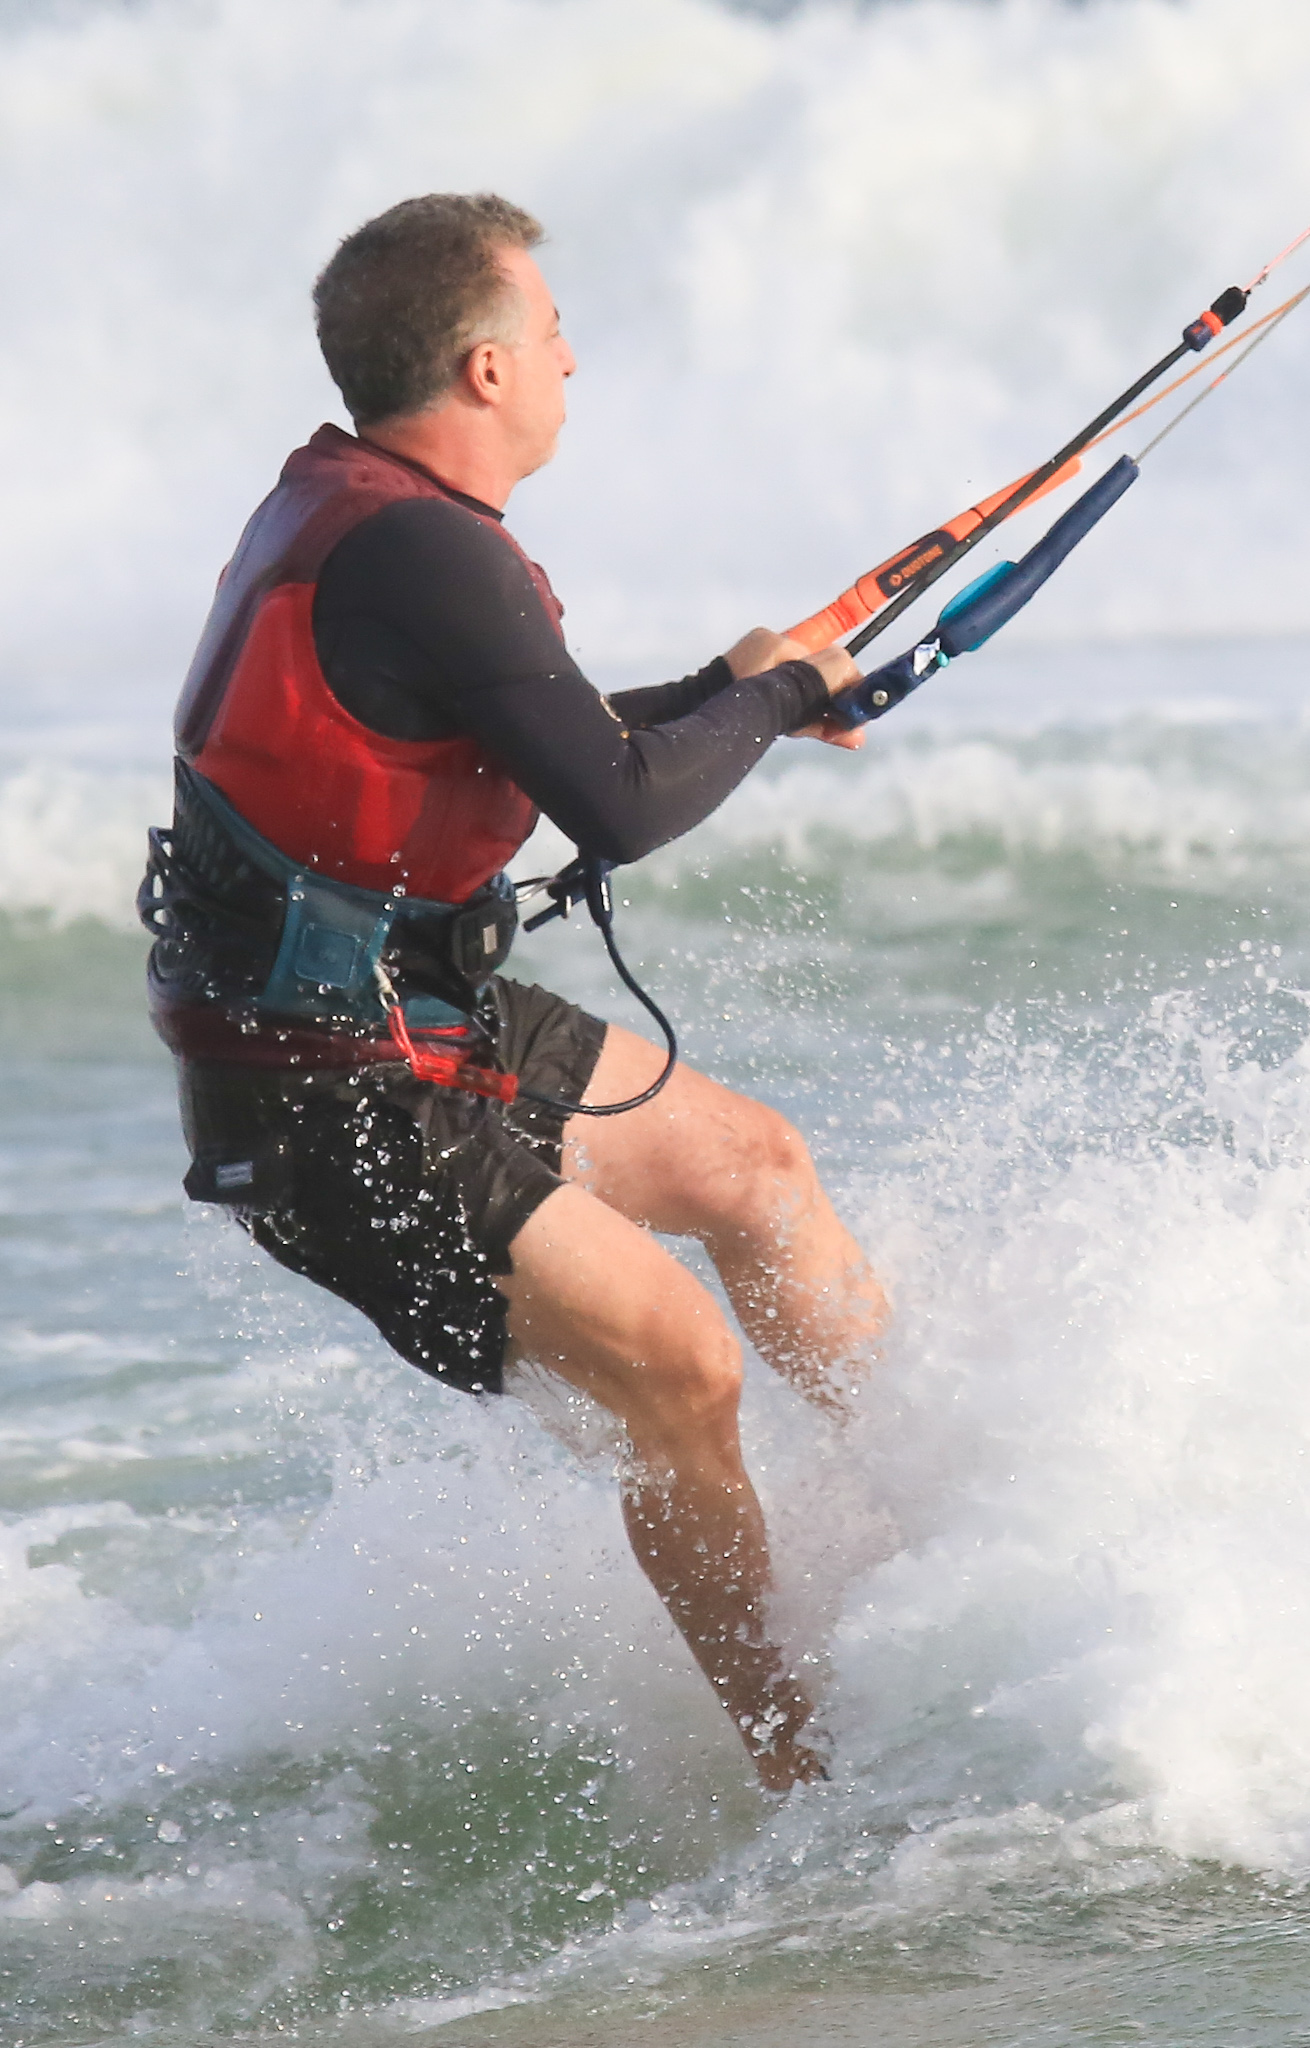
(332, 1707)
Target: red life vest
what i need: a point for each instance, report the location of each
(256, 716)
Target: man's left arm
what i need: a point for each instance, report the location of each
(754, 654)
(661, 703)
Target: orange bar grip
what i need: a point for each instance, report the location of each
(879, 586)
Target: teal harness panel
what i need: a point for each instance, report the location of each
(333, 936)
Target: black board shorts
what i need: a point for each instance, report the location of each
(399, 1196)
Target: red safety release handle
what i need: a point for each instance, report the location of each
(447, 1069)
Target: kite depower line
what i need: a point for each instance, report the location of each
(879, 597)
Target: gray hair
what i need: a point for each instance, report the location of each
(409, 294)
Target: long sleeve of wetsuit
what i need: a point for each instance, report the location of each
(427, 624)
(660, 703)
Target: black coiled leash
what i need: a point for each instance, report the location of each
(586, 880)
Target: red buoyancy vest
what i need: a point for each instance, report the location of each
(256, 716)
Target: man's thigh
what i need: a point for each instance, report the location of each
(599, 1301)
(683, 1162)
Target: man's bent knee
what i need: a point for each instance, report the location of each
(686, 1393)
(709, 1374)
(605, 1306)
(766, 1176)
(781, 1151)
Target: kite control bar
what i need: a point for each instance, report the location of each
(991, 600)
(895, 584)
(985, 605)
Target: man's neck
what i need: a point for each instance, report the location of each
(452, 443)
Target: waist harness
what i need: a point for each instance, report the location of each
(242, 928)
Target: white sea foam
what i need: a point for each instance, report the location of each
(1178, 805)
(1123, 1458)
(918, 799)
(72, 840)
(1066, 1553)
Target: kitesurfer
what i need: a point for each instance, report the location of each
(381, 703)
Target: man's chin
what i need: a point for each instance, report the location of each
(544, 455)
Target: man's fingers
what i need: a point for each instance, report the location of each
(832, 734)
(848, 736)
(837, 668)
(762, 649)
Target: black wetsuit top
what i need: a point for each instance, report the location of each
(427, 626)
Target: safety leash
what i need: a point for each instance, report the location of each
(584, 880)
(587, 879)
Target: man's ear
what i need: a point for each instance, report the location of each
(483, 373)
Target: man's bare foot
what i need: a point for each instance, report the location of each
(780, 1758)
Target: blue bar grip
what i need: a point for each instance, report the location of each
(965, 626)
(879, 692)
(983, 606)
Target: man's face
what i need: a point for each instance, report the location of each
(535, 367)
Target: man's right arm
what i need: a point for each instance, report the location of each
(428, 625)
